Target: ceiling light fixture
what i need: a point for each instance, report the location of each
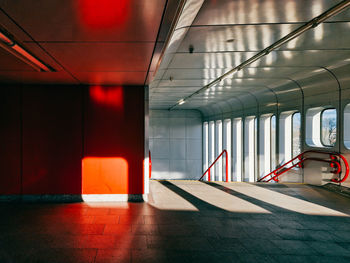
(15, 49)
(180, 102)
(300, 30)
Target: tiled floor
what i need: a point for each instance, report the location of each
(185, 221)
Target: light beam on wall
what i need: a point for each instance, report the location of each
(111, 96)
(105, 175)
(104, 14)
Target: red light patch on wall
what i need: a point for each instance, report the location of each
(108, 96)
(101, 14)
(104, 175)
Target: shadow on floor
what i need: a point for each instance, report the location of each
(141, 232)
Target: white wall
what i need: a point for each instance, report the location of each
(175, 139)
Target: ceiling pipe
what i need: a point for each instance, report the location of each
(295, 33)
(15, 49)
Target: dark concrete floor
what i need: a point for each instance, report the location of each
(185, 221)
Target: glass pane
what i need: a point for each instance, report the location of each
(273, 142)
(296, 145)
(237, 145)
(329, 127)
(227, 146)
(205, 146)
(347, 126)
(255, 147)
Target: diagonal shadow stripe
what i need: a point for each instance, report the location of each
(262, 204)
(292, 193)
(198, 203)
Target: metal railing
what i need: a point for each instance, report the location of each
(217, 158)
(334, 162)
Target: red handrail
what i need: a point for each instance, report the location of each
(217, 158)
(346, 169)
(334, 162)
(149, 164)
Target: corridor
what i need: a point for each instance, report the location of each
(185, 221)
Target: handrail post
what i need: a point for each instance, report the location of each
(209, 175)
(149, 164)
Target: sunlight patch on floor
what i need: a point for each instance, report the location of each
(165, 199)
(283, 200)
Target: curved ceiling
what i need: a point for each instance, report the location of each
(227, 32)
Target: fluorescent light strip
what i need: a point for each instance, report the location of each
(22, 54)
(300, 30)
(6, 40)
(28, 56)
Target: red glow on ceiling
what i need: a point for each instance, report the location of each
(104, 175)
(108, 96)
(101, 14)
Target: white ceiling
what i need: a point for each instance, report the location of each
(227, 32)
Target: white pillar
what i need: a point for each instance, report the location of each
(237, 149)
(211, 146)
(249, 148)
(227, 145)
(205, 148)
(218, 150)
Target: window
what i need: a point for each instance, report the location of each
(211, 146)
(329, 127)
(256, 161)
(205, 146)
(347, 126)
(227, 145)
(289, 136)
(296, 142)
(321, 127)
(273, 142)
(218, 149)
